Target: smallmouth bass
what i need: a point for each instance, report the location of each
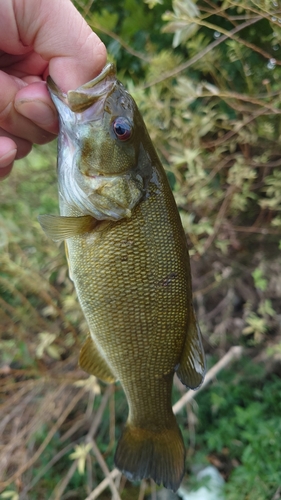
(128, 258)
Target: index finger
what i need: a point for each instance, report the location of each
(58, 33)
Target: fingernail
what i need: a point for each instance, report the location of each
(7, 158)
(37, 111)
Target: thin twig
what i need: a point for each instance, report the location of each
(226, 95)
(111, 422)
(229, 34)
(99, 414)
(91, 433)
(49, 465)
(127, 47)
(46, 441)
(104, 484)
(7, 285)
(57, 493)
(77, 425)
(143, 487)
(234, 352)
(105, 470)
(30, 428)
(89, 467)
(231, 133)
(211, 286)
(253, 229)
(65, 450)
(269, 16)
(153, 490)
(221, 213)
(277, 495)
(270, 164)
(202, 53)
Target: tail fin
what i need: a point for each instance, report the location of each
(160, 455)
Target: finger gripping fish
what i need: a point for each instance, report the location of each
(128, 258)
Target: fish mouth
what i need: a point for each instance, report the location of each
(85, 96)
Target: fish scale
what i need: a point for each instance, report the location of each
(121, 293)
(128, 258)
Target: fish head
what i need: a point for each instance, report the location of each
(103, 166)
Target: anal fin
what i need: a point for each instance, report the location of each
(192, 366)
(92, 362)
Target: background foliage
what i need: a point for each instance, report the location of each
(206, 78)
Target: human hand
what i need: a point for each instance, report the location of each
(38, 38)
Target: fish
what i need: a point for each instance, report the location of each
(128, 258)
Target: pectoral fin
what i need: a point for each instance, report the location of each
(92, 362)
(58, 227)
(191, 370)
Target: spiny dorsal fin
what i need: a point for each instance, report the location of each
(191, 370)
(59, 227)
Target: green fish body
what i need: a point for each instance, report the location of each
(128, 258)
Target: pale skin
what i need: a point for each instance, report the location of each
(37, 38)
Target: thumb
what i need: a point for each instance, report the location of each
(58, 33)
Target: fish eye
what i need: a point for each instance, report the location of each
(122, 128)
